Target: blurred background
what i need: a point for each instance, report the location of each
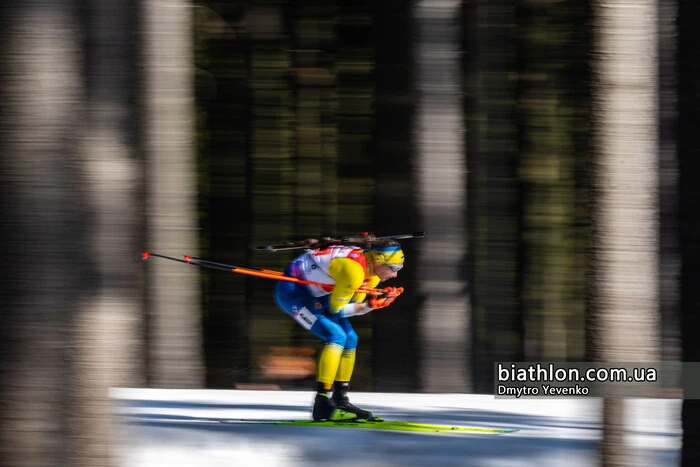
(546, 147)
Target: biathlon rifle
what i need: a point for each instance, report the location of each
(363, 240)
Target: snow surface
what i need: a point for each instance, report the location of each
(173, 428)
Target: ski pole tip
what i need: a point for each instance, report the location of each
(145, 255)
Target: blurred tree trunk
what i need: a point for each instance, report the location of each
(689, 215)
(312, 25)
(108, 327)
(440, 177)
(669, 247)
(357, 176)
(44, 227)
(70, 191)
(270, 165)
(175, 352)
(625, 222)
(396, 349)
(553, 113)
(494, 204)
(223, 101)
(355, 114)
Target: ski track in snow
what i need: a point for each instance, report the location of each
(174, 428)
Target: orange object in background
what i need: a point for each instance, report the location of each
(288, 363)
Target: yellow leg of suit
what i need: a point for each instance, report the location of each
(347, 364)
(328, 364)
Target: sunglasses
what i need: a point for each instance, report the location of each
(395, 267)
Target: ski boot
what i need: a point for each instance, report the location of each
(325, 409)
(342, 401)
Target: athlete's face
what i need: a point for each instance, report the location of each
(386, 271)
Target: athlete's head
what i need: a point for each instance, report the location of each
(386, 257)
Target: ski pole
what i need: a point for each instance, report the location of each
(264, 273)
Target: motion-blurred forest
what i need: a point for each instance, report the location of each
(547, 148)
(470, 122)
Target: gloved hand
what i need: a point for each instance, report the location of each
(389, 294)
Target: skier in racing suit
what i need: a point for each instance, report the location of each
(325, 312)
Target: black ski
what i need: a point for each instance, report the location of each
(364, 240)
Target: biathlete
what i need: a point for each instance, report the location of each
(325, 313)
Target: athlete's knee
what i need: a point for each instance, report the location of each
(351, 340)
(338, 337)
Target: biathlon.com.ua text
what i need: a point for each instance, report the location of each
(550, 379)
